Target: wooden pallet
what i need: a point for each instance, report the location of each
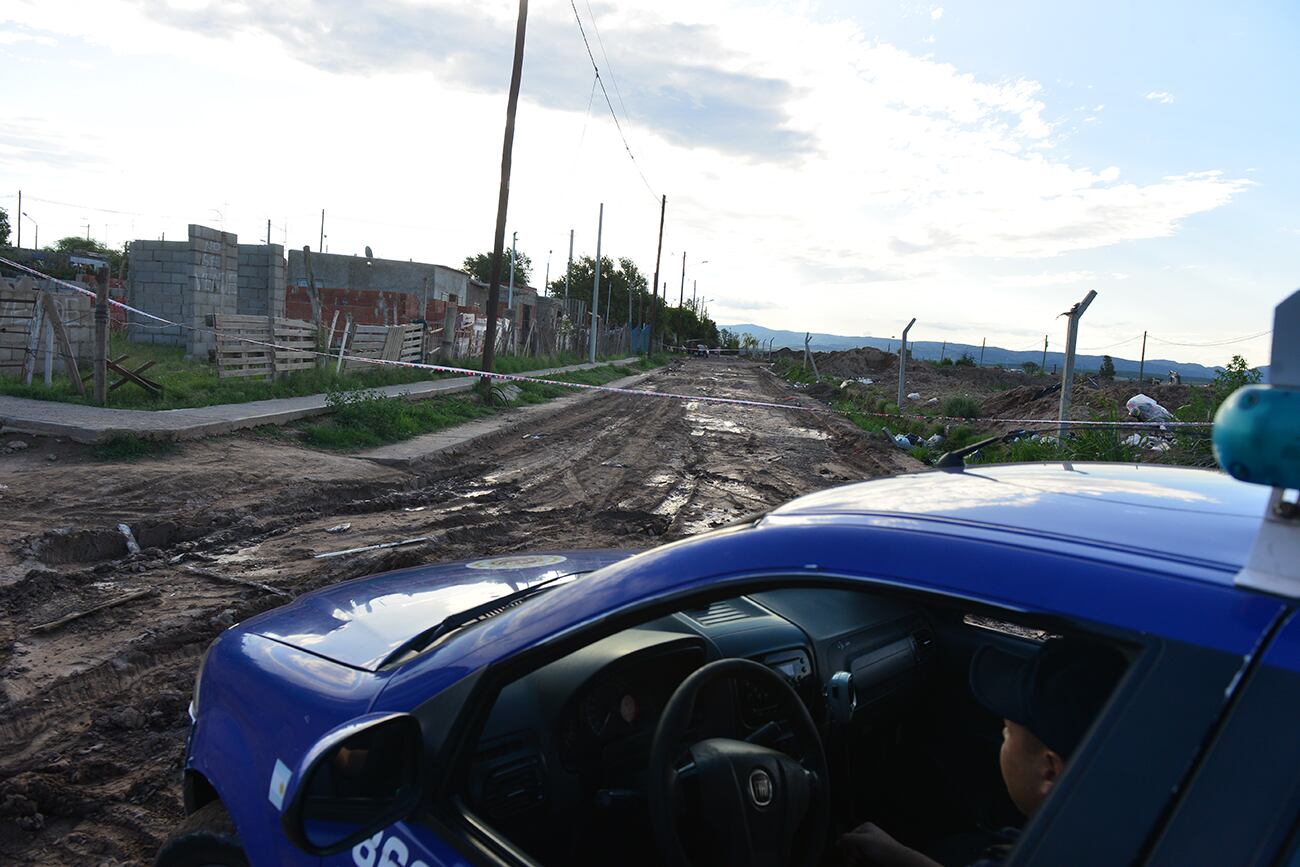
(388, 342)
(238, 357)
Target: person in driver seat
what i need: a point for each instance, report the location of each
(1047, 703)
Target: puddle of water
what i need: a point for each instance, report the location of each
(806, 433)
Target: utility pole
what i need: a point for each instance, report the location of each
(569, 269)
(695, 294)
(681, 297)
(268, 232)
(902, 365)
(503, 197)
(983, 340)
(1067, 369)
(595, 289)
(943, 351)
(1143, 363)
(19, 245)
(510, 293)
(546, 284)
(321, 245)
(654, 285)
(1043, 367)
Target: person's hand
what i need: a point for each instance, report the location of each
(870, 846)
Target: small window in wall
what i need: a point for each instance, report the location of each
(993, 625)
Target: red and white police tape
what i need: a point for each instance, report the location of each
(636, 392)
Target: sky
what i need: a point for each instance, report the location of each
(829, 166)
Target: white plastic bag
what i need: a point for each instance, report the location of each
(1147, 409)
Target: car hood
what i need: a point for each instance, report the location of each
(359, 623)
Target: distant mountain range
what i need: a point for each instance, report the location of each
(994, 356)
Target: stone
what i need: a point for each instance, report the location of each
(15, 445)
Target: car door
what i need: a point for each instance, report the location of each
(1242, 801)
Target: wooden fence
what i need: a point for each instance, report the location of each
(237, 355)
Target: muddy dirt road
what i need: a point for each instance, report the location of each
(93, 712)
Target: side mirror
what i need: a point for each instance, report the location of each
(357, 780)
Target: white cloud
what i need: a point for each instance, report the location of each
(1161, 96)
(936, 13)
(872, 172)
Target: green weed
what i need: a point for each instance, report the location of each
(129, 447)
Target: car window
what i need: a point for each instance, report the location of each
(1257, 751)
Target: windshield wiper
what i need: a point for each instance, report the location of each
(489, 609)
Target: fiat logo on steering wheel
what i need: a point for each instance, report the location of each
(760, 787)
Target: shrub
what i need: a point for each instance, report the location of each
(961, 406)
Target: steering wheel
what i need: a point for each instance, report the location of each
(761, 804)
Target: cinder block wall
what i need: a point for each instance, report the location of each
(185, 282)
(214, 288)
(261, 279)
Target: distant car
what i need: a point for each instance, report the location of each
(742, 696)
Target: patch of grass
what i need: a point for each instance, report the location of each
(961, 406)
(129, 447)
(192, 383)
(365, 418)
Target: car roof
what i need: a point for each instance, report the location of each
(1172, 513)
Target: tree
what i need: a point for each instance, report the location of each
(966, 360)
(4, 228)
(1107, 370)
(1234, 376)
(1031, 368)
(615, 282)
(480, 267)
(76, 244)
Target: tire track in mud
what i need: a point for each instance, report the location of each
(92, 715)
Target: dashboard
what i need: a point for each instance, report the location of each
(575, 735)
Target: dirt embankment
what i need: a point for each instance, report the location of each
(93, 712)
(1000, 393)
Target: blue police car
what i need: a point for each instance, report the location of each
(845, 677)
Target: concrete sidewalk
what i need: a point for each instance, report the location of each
(92, 424)
(454, 439)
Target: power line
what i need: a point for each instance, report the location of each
(1109, 345)
(608, 63)
(1216, 342)
(609, 103)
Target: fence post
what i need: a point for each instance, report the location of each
(447, 351)
(101, 337)
(1067, 372)
(902, 365)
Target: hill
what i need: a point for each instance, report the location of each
(994, 356)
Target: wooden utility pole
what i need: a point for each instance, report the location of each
(1042, 368)
(101, 337)
(654, 286)
(1143, 363)
(503, 195)
(983, 340)
(19, 243)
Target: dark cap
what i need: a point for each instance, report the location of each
(1055, 693)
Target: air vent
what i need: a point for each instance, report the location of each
(725, 611)
(513, 787)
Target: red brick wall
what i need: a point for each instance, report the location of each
(368, 307)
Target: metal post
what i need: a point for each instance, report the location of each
(1042, 368)
(983, 340)
(1143, 363)
(902, 365)
(568, 269)
(654, 284)
(101, 337)
(503, 196)
(1067, 369)
(268, 233)
(546, 284)
(321, 245)
(595, 289)
(681, 296)
(510, 292)
(19, 243)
